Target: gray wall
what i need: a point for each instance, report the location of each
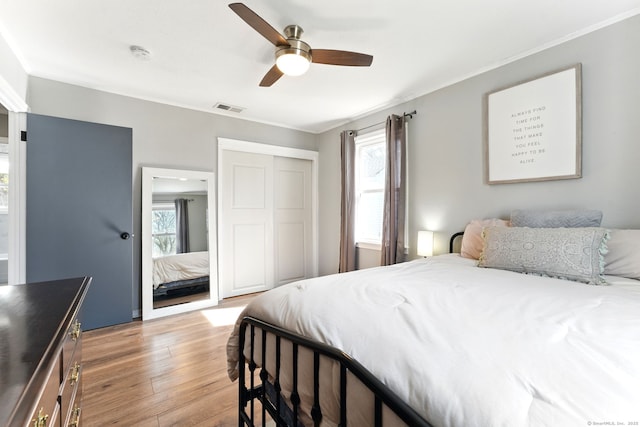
(445, 146)
(163, 135)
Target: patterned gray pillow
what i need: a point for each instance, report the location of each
(554, 219)
(566, 253)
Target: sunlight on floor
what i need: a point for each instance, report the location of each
(5, 291)
(223, 316)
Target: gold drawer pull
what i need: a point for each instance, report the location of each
(76, 421)
(75, 374)
(40, 420)
(75, 330)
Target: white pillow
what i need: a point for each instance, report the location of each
(623, 258)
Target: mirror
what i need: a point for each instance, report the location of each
(179, 272)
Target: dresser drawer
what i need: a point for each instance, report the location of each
(46, 413)
(70, 388)
(72, 338)
(75, 411)
(72, 396)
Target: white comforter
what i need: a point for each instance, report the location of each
(467, 346)
(185, 266)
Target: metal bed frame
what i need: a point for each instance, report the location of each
(285, 411)
(167, 288)
(452, 240)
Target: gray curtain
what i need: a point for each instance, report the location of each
(348, 206)
(392, 245)
(182, 226)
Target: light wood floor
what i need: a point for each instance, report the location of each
(164, 372)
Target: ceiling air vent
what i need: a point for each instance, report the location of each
(227, 107)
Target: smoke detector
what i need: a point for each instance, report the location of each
(140, 53)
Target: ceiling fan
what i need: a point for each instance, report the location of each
(293, 55)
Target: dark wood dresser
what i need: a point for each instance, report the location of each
(41, 353)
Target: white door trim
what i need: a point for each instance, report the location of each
(17, 199)
(17, 108)
(281, 151)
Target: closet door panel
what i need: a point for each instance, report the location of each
(246, 223)
(249, 264)
(290, 251)
(292, 219)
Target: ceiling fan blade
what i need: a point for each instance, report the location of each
(259, 24)
(340, 57)
(271, 77)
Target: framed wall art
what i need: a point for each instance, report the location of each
(533, 129)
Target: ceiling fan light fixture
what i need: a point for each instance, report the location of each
(294, 60)
(292, 64)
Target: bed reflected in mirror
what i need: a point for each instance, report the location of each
(179, 231)
(177, 242)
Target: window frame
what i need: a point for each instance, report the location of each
(374, 137)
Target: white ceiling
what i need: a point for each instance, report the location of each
(203, 53)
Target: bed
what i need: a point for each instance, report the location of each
(180, 273)
(453, 341)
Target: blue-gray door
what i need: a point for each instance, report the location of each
(78, 207)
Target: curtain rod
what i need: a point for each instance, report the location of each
(410, 115)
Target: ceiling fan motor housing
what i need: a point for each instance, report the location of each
(296, 47)
(293, 31)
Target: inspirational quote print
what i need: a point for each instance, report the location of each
(528, 134)
(533, 129)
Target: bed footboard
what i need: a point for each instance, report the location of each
(292, 402)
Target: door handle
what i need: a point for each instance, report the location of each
(126, 236)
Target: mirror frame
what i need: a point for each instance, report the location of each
(148, 174)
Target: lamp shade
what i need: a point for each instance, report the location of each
(425, 243)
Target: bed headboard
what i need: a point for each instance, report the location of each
(455, 242)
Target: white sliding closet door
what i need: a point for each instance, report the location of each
(292, 219)
(246, 234)
(266, 235)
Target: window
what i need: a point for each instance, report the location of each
(163, 229)
(369, 186)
